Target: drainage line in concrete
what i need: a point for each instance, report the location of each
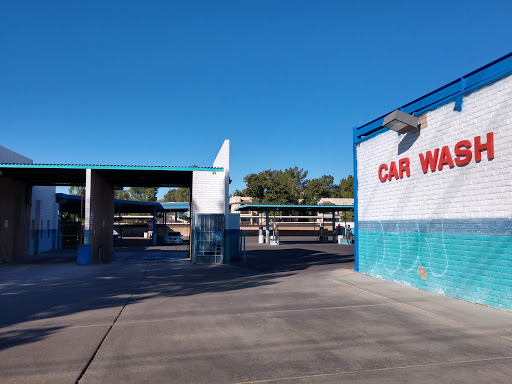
(109, 329)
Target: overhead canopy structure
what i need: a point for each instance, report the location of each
(266, 208)
(209, 199)
(73, 203)
(117, 175)
(298, 207)
(99, 205)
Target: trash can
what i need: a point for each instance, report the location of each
(84, 254)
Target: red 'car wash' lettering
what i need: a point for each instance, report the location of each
(429, 160)
(403, 166)
(439, 158)
(489, 147)
(397, 173)
(383, 167)
(464, 156)
(393, 172)
(445, 158)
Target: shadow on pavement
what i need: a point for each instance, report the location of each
(49, 294)
(13, 338)
(296, 254)
(38, 298)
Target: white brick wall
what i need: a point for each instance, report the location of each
(222, 161)
(477, 190)
(208, 192)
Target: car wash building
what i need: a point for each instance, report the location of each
(215, 232)
(433, 190)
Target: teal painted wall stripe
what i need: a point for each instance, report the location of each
(469, 226)
(473, 267)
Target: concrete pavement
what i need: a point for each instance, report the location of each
(295, 313)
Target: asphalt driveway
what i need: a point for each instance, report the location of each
(293, 313)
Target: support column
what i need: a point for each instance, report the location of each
(267, 229)
(119, 225)
(99, 219)
(154, 227)
(164, 228)
(15, 224)
(59, 218)
(87, 208)
(333, 226)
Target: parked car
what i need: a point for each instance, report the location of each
(173, 238)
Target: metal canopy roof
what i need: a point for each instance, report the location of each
(125, 206)
(310, 208)
(118, 175)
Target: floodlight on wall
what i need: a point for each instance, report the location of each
(400, 122)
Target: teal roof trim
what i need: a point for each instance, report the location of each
(299, 207)
(110, 167)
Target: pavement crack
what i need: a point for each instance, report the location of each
(95, 353)
(459, 323)
(440, 364)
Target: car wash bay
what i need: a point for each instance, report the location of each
(131, 242)
(177, 322)
(100, 181)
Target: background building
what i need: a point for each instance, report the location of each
(246, 217)
(37, 221)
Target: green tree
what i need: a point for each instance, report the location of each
(77, 190)
(347, 187)
(237, 192)
(318, 188)
(143, 194)
(122, 195)
(256, 184)
(181, 195)
(276, 186)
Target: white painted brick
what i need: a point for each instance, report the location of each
(208, 192)
(477, 190)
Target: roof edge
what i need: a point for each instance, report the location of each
(446, 94)
(111, 167)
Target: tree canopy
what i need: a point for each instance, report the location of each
(347, 187)
(134, 193)
(276, 186)
(138, 194)
(180, 195)
(122, 195)
(77, 190)
(291, 186)
(143, 194)
(320, 187)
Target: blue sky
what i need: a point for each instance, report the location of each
(165, 82)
